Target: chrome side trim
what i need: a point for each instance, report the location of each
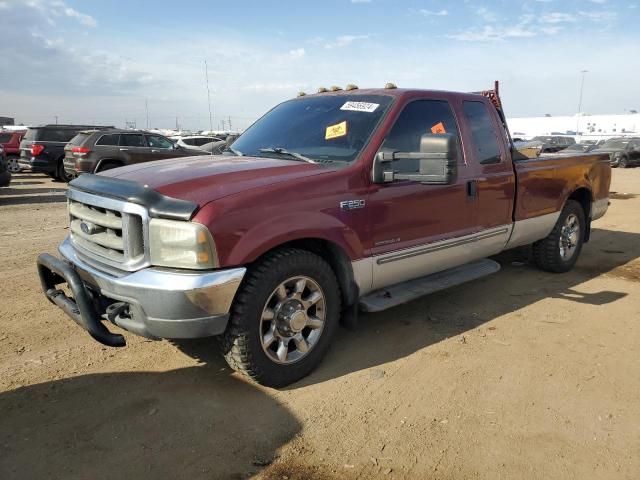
(532, 229)
(599, 208)
(407, 264)
(441, 246)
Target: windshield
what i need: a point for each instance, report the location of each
(615, 143)
(320, 128)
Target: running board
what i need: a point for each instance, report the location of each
(412, 289)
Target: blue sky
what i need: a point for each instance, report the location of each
(98, 61)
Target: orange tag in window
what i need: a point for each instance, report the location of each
(438, 128)
(335, 131)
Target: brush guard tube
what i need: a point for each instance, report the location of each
(80, 308)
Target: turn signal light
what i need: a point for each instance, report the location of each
(36, 149)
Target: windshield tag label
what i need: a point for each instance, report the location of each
(360, 107)
(335, 131)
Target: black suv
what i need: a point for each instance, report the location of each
(93, 151)
(623, 152)
(552, 144)
(42, 148)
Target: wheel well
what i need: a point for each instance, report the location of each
(108, 161)
(337, 259)
(583, 197)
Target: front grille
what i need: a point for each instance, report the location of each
(108, 231)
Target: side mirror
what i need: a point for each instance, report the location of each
(436, 162)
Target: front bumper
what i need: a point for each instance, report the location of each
(153, 302)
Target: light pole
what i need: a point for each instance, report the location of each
(583, 73)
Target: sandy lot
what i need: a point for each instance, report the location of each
(522, 375)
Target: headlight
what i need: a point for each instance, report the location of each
(181, 245)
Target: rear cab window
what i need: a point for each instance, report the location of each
(5, 137)
(486, 148)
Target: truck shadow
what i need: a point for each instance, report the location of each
(401, 331)
(188, 423)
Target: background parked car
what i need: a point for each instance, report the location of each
(575, 149)
(194, 142)
(42, 148)
(623, 152)
(10, 142)
(93, 151)
(551, 144)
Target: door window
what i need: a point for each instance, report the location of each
(131, 140)
(417, 118)
(156, 141)
(112, 139)
(485, 138)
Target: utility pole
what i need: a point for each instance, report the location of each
(206, 74)
(583, 73)
(146, 109)
(230, 128)
(56, 116)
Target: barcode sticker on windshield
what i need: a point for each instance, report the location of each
(360, 107)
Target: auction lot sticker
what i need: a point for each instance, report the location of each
(360, 107)
(335, 131)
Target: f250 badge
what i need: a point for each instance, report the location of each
(351, 204)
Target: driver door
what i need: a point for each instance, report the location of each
(418, 229)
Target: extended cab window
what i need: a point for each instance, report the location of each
(417, 118)
(485, 137)
(131, 140)
(156, 141)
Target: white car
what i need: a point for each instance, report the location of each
(194, 142)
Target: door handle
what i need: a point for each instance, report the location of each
(124, 149)
(472, 189)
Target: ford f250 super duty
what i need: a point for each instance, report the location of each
(331, 203)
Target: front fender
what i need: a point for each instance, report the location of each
(272, 232)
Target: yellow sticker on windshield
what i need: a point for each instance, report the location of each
(335, 131)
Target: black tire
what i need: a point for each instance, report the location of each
(547, 252)
(61, 174)
(623, 162)
(108, 166)
(241, 343)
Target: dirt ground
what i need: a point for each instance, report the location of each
(524, 375)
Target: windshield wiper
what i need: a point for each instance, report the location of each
(234, 151)
(283, 151)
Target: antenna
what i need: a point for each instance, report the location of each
(206, 74)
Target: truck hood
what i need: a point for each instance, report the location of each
(203, 179)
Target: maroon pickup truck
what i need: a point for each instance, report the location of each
(330, 204)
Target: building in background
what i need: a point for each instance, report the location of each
(6, 121)
(581, 127)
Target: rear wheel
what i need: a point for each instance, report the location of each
(559, 251)
(107, 166)
(12, 164)
(283, 318)
(61, 174)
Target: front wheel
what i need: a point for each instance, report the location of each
(623, 162)
(559, 251)
(283, 318)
